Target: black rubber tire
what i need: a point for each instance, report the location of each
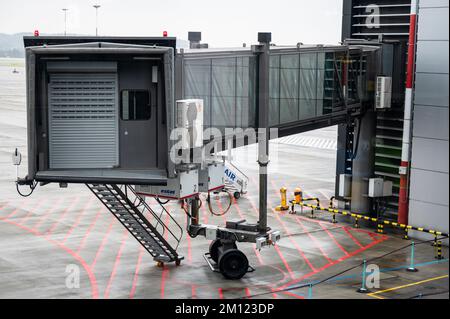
(233, 264)
(214, 251)
(237, 195)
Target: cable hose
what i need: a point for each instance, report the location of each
(226, 210)
(32, 187)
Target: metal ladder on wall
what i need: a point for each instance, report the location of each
(147, 226)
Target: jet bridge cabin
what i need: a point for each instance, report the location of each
(99, 110)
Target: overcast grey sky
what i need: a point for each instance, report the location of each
(223, 23)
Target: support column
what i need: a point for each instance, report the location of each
(263, 125)
(363, 163)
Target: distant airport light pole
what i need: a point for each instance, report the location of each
(96, 6)
(65, 20)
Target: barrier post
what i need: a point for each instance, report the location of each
(334, 219)
(363, 289)
(439, 250)
(380, 228)
(412, 267)
(356, 225)
(284, 206)
(405, 236)
(310, 291)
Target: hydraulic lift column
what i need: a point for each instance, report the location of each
(263, 124)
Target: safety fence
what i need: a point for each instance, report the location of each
(411, 267)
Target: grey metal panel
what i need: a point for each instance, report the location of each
(431, 89)
(430, 154)
(431, 122)
(433, 24)
(83, 123)
(429, 187)
(432, 57)
(433, 3)
(428, 215)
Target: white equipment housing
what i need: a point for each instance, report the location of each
(189, 115)
(185, 185)
(211, 178)
(378, 187)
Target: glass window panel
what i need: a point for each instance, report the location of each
(242, 81)
(274, 84)
(274, 61)
(320, 84)
(308, 82)
(308, 60)
(289, 83)
(197, 77)
(223, 111)
(290, 61)
(307, 109)
(242, 112)
(274, 112)
(224, 77)
(135, 105)
(321, 60)
(288, 110)
(319, 107)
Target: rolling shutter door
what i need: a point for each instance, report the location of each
(83, 120)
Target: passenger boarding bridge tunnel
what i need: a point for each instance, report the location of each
(101, 110)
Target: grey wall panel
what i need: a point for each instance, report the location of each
(433, 3)
(431, 89)
(429, 187)
(432, 122)
(433, 154)
(432, 57)
(429, 216)
(433, 24)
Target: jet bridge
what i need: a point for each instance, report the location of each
(101, 111)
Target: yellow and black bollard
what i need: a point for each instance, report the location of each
(405, 235)
(334, 219)
(380, 228)
(439, 250)
(284, 206)
(298, 198)
(356, 225)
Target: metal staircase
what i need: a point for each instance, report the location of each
(147, 226)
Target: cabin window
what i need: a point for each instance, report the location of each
(135, 105)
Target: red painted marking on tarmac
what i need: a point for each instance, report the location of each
(105, 238)
(247, 292)
(220, 293)
(47, 213)
(286, 265)
(293, 295)
(91, 276)
(164, 274)
(61, 217)
(116, 263)
(77, 221)
(13, 212)
(188, 238)
(352, 237)
(316, 243)
(27, 216)
(136, 272)
(193, 292)
(334, 239)
(91, 226)
(336, 262)
(294, 242)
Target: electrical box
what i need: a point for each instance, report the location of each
(345, 185)
(211, 178)
(378, 187)
(384, 93)
(189, 115)
(184, 185)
